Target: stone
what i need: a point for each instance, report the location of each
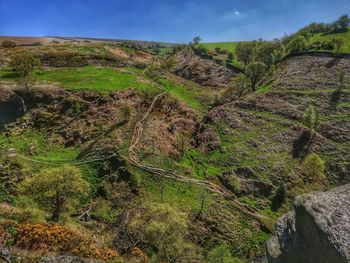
(318, 231)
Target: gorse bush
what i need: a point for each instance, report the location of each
(56, 239)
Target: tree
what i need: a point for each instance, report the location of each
(236, 89)
(24, 65)
(341, 24)
(310, 118)
(266, 51)
(314, 167)
(56, 190)
(245, 53)
(196, 40)
(255, 73)
(297, 44)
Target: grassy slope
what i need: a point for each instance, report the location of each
(330, 37)
(95, 78)
(229, 46)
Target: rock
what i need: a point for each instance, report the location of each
(11, 106)
(5, 255)
(318, 231)
(67, 259)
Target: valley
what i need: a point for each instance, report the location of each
(180, 154)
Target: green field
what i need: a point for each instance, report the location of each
(100, 79)
(94, 78)
(229, 46)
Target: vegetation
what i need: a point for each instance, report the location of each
(314, 167)
(311, 119)
(246, 139)
(23, 65)
(55, 190)
(8, 44)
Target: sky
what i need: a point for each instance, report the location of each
(176, 21)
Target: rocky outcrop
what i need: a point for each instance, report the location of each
(11, 106)
(317, 231)
(68, 259)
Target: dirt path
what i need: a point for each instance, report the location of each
(212, 187)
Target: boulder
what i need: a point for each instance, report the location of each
(67, 259)
(317, 231)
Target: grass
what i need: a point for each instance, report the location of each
(185, 94)
(229, 46)
(100, 79)
(330, 37)
(95, 78)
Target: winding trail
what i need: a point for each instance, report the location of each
(210, 186)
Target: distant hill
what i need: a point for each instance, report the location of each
(23, 40)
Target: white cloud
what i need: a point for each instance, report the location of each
(231, 15)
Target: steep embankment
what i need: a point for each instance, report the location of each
(202, 71)
(261, 139)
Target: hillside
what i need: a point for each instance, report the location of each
(163, 158)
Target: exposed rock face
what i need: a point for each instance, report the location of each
(11, 107)
(318, 231)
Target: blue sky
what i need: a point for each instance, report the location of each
(165, 20)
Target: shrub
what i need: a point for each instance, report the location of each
(8, 44)
(222, 254)
(279, 197)
(55, 190)
(54, 238)
(297, 44)
(313, 167)
(310, 118)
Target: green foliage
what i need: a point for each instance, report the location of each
(314, 167)
(236, 89)
(230, 56)
(24, 64)
(196, 40)
(55, 190)
(338, 44)
(163, 228)
(245, 53)
(341, 24)
(8, 44)
(255, 73)
(270, 52)
(297, 44)
(310, 118)
(104, 209)
(222, 254)
(135, 180)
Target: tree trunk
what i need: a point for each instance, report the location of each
(57, 211)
